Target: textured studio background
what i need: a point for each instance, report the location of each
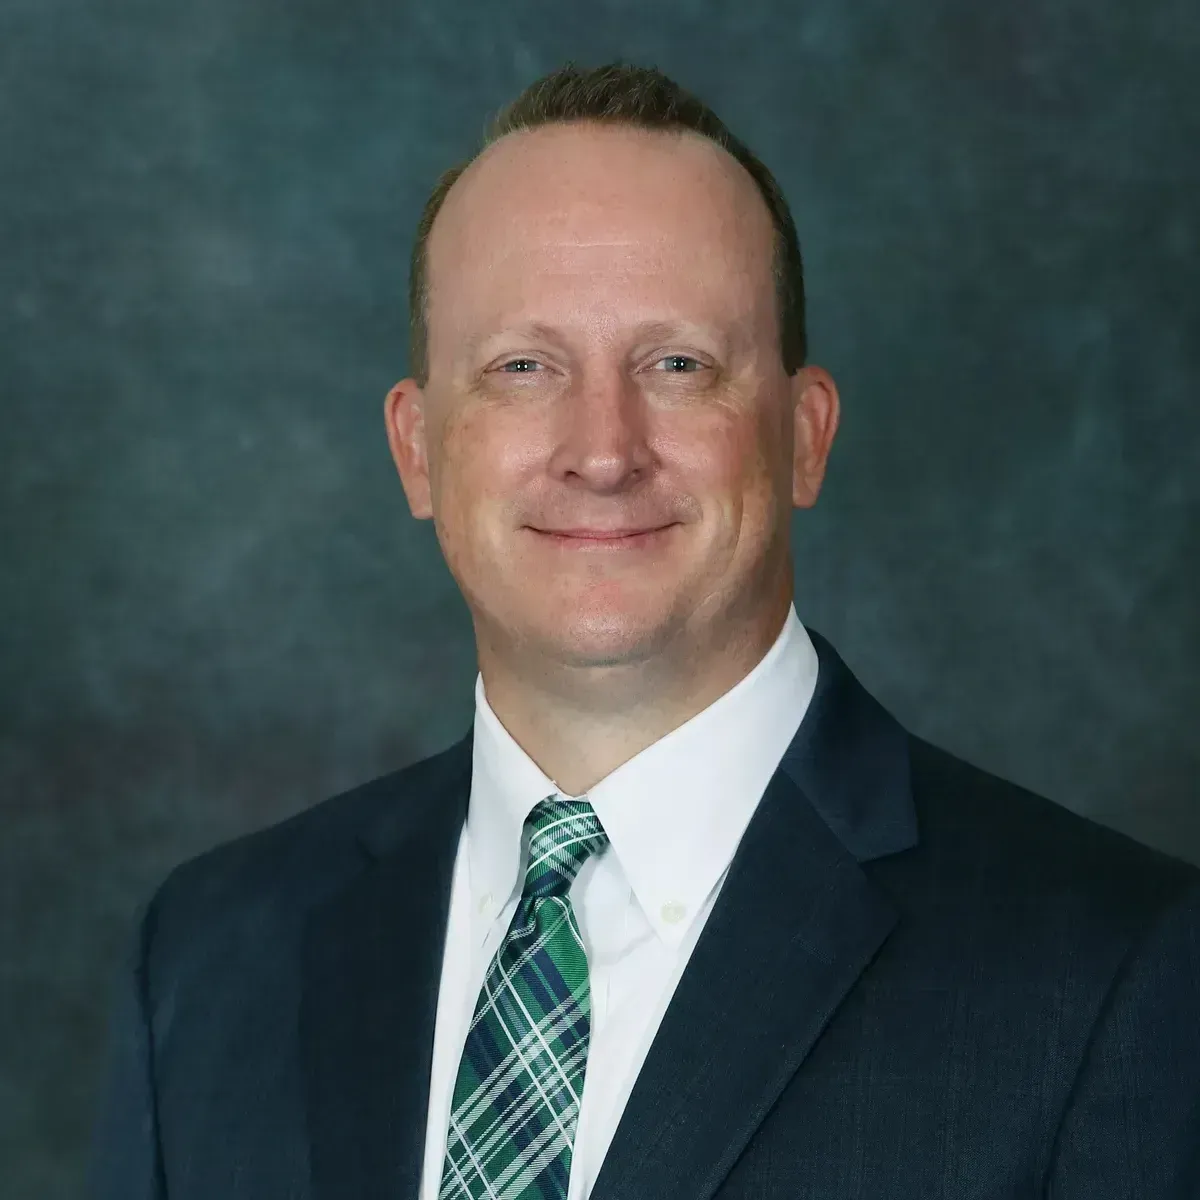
(216, 607)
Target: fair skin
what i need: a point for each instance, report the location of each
(591, 650)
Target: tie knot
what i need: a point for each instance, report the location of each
(562, 834)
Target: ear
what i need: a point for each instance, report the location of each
(816, 411)
(404, 412)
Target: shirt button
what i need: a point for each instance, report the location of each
(673, 912)
(485, 902)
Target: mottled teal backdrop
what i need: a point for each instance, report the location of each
(217, 609)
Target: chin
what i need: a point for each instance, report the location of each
(607, 637)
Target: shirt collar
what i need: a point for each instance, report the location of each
(674, 813)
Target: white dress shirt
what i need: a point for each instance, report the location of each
(674, 815)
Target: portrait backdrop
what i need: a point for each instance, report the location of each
(217, 609)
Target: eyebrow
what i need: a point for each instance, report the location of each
(552, 333)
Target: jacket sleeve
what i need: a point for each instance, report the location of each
(125, 1162)
(1132, 1126)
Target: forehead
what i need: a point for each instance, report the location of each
(596, 223)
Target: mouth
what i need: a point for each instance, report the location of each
(612, 539)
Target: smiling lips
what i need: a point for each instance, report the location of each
(601, 533)
(602, 537)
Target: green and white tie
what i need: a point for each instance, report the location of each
(516, 1099)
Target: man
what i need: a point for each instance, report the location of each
(682, 857)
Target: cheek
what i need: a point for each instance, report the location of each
(754, 474)
(726, 461)
(482, 466)
(766, 467)
(498, 443)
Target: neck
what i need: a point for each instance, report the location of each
(580, 723)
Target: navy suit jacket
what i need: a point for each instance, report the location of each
(918, 981)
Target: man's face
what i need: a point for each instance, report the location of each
(604, 354)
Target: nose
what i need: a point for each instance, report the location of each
(605, 434)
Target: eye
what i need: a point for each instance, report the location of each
(681, 358)
(523, 366)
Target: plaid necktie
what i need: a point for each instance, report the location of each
(516, 1099)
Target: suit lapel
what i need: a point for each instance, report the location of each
(372, 963)
(796, 923)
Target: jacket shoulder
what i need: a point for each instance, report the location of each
(1016, 841)
(263, 883)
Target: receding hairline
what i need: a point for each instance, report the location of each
(731, 167)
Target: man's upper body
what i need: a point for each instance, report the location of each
(825, 958)
(915, 979)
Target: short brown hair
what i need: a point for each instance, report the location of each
(641, 98)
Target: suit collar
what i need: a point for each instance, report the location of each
(864, 797)
(767, 976)
(849, 759)
(849, 756)
(421, 796)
